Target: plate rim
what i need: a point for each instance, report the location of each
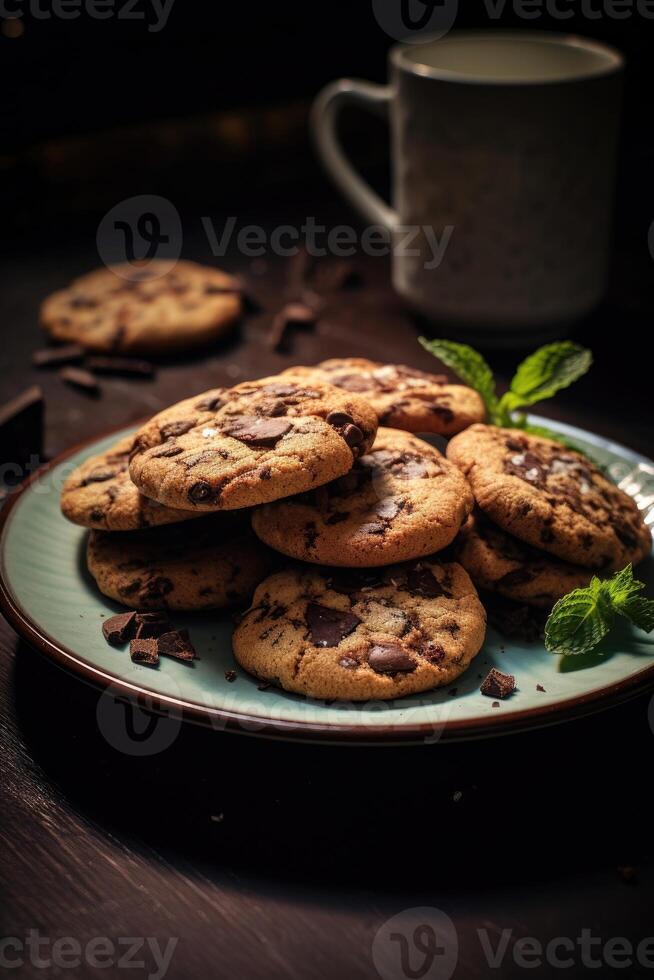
(237, 722)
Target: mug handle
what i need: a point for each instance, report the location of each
(324, 118)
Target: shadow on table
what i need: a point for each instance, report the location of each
(512, 809)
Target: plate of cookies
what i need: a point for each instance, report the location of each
(354, 552)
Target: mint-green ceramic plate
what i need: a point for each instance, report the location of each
(50, 599)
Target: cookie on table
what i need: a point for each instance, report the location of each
(208, 564)
(149, 311)
(99, 494)
(356, 635)
(498, 562)
(401, 500)
(403, 397)
(550, 497)
(255, 442)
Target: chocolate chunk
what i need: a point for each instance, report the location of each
(152, 625)
(159, 586)
(259, 432)
(497, 684)
(519, 576)
(353, 435)
(79, 378)
(119, 629)
(281, 390)
(443, 412)
(420, 581)
(354, 382)
(210, 404)
(21, 431)
(83, 302)
(390, 658)
(293, 314)
(55, 356)
(144, 651)
(124, 366)
(168, 452)
(176, 643)
(99, 476)
(329, 626)
(339, 419)
(201, 492)
(173, 429)
(433, 652)
(388, 508)
(528, 467)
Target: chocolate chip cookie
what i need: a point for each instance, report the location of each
(401, 500)
(208, 564)
(362, 635)
(100, 494)
(551, 497)
(151, 311)
(251, 444)
(403, 397)
(498, 562)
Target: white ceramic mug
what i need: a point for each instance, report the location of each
(503, 155)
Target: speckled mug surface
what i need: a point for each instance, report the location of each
(503, 152)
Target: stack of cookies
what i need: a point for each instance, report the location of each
(308, 496)
(198, 507)
(546, 518)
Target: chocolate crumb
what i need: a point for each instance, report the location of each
(79, 378)
(144, 652)
(497, 684)
(230, 676)
(124, 366)
(55, 356)
(119, 629)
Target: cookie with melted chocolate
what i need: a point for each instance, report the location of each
(250, 444)
(551, 497)
(401, 500)
(361, 635)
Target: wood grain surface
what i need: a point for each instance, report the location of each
(277, 860)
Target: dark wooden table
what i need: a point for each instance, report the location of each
(271, 859)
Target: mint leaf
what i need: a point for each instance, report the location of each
(582, 618)
(639, 611)
(546, 371)
(469, 365)
(579, 621)
(623, 586)
(624, 590)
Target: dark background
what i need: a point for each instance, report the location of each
(63, 80)
(268, 859)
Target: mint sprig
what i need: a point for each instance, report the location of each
(582, 618)
(539, 376)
